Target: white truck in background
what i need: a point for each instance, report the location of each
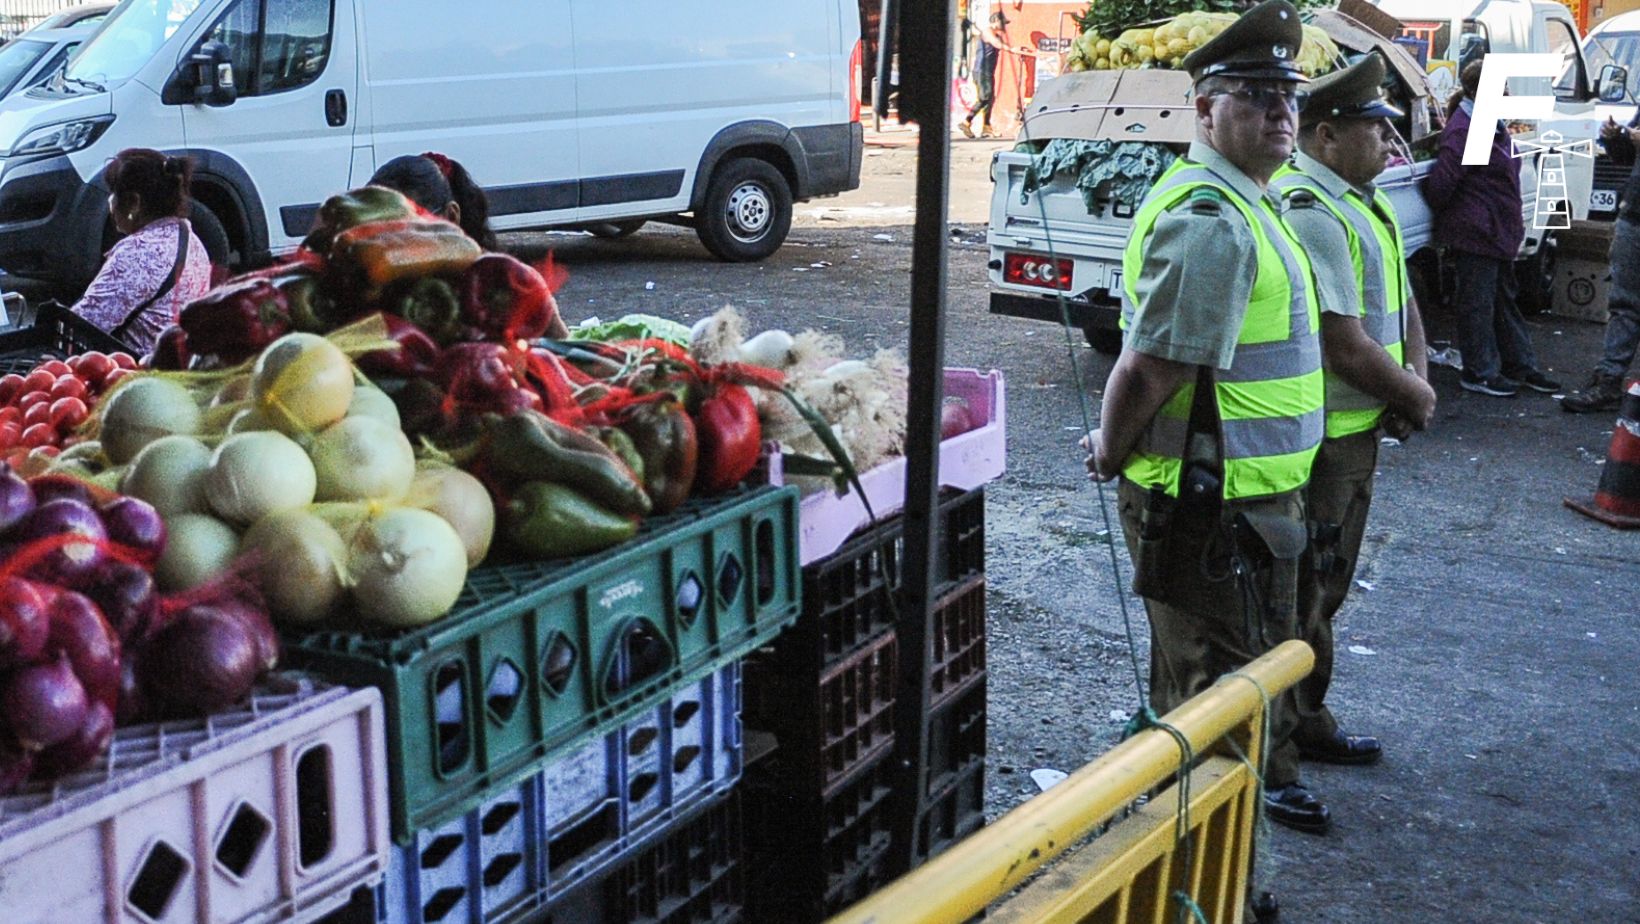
(1048, 240)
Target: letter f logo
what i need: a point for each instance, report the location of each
(1491, 105)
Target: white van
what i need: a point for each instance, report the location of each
(571, 113)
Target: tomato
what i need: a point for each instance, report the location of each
(31, 399)
(67, 413)
(124, 360)
(114, 375)
(54, 366)
(11, 415)
(37, 414)
(68, 386)
(11, 388)
(10, 433)
(94, 367)
(39, 380)
(40, 434)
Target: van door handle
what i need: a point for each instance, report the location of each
(336, 108)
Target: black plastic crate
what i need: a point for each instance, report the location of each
(692, 874)
(958, 640)
(56, 332)
(810, 856)
(953, 810)
(956, 736)
(826, 726)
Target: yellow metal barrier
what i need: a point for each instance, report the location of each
(1128, 873)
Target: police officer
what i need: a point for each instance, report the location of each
(1372, 346)
(1213, 411)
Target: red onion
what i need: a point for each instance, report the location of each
(201, 662)
(24, 621)
(136, 526)
(17, 499)
(72, 563)
(79, 631)
(129, 599)
(133, 704)
(16, 765)
(88, 742)
(48, 488)
(45, 704)
(955, 418)
(256, 621)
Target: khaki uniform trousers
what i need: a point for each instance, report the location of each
(1211, 631)
(1337, 499)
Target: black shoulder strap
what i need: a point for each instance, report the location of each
(1201, 476)
(165, 287)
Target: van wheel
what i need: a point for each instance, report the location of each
(616, 230)
(208, 228)
(1104, 340)
(747, 212)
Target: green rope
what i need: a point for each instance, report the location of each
(1261, 825)
(1144, 717)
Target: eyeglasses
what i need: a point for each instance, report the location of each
(1266, 97)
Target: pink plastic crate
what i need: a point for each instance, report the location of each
(967, 461)
(273, 812)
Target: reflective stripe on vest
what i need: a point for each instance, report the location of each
(1270, 399)
(1381, 281)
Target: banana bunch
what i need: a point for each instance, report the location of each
(1167, 44)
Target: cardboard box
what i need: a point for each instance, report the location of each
(1125, 105)
(1580, 288)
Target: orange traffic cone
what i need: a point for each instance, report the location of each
(1616, 501)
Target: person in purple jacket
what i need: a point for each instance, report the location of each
(1478, 220)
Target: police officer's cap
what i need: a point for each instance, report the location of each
(1355, 92)
(1263, 44)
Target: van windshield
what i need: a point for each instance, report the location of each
(135, 30)
(16, 57)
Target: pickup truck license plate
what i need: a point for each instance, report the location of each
(1603, 200)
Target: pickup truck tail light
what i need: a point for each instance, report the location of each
(1029, 269)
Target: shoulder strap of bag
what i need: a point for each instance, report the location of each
(165, 287)
(1201, 478)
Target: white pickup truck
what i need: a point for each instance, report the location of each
(1046, 239)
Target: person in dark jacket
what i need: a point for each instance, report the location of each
(1478, 221)
(1604, 390)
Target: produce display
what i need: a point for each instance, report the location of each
(41, 410)
(337, 440)
(1165, 44)
(88, 641)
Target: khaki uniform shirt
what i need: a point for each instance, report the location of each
(1197, 278)
(1326, 241)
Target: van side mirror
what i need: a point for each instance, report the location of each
(212, 75)
(1614, 83)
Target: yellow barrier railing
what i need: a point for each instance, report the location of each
(1128, 873)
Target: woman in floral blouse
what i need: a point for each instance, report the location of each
(141, 287)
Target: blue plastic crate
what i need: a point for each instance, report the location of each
(580, 816)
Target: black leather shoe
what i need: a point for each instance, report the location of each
(1297, 808)
(1342, 749)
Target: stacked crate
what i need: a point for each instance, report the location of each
(820, 813)
(565, 745)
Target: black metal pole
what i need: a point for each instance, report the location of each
(924, 30)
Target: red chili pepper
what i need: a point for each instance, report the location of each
(506, 298)
(171, 351)
(477, 373)
(237, 320)
(416, 355)
(729, 435)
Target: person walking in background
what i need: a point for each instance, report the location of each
(1604, 390)
(993, 41)
(1219, 387)
(1478, 221)
(160, 265)
(1372, 344)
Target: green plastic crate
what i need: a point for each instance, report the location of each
(536, 658)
